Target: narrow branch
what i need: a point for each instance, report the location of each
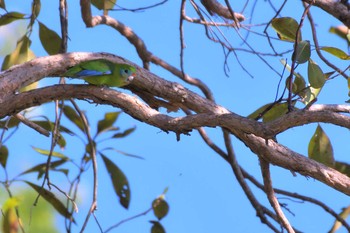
(214, 7)
(240, 178)
(317, 46)
(93, 206)
(265, 171)
(32, 125)
(300, 197)
(282, 156)
(127, 220)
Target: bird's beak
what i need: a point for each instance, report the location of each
(131, 77)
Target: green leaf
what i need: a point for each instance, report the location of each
(257, 114)
(298, 86)
(344, 214)
(49, 125)
(122, 152)
(47, 153)
(119, 180)
(299, 83)
(157, 227)
(103, 4)
(10, 17)
(160, 207)
(341, 31)
(21, 54)
(107, 121)
(74, 117)
(13, 122)
(342, 167)
(271, 111)
(50, 40)
(125, 133)
(336, 52)
(9, 217)
(315, 75)
(311, 94)
(303, 52)
(52, 199)
(41, 168)
(320, 148)
(4, 153)
(286, 28)
(276, 111)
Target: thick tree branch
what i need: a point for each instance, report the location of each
(253, 134)
(282, 156)
(335, 8)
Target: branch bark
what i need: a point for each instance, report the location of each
(335, 8)
(256, 135)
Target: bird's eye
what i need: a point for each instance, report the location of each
(126, 71)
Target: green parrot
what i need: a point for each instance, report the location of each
(102, 72)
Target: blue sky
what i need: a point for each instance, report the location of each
(203, 193)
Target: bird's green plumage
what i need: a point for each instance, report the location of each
(103, 72)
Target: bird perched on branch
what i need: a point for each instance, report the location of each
(102, 72)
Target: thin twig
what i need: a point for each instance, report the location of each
(240, 178)
(294, 57)
(317, 46)
(32, 125)
(93, 206)
(299, 196)
(127, 220)
(265, 171)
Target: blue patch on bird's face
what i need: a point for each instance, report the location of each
(125, 72)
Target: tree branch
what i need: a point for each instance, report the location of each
(265, 171)
(335, 8)
(254, 134)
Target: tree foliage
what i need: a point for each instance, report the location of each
(292, 51)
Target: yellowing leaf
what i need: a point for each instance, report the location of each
(344, 214)
(320, 148)
(10, 222)
(47, 152)
(50, 40)
(336, 52)
(315, 75)
(311, 94)
(341, 31)
(21, 54)
(103, 4)
(276, 111)
(286, 27)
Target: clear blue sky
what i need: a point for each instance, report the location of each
(203, 193)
